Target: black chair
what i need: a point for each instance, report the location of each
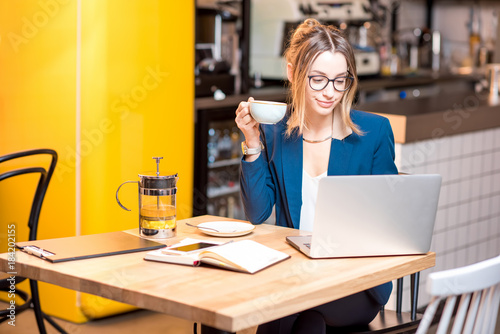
(41, 189)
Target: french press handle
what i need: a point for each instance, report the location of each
(117, 190)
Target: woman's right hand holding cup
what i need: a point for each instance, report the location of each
(247, 124)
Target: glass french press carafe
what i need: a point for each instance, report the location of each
(157, 210)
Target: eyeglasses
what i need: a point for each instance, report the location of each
(319, 82)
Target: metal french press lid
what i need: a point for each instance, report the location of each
(156, 182)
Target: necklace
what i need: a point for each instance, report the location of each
(320, 140)
(316, 141)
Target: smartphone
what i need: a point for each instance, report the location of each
(190, 248)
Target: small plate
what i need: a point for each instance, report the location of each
(226, 228)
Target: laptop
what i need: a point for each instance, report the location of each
(87, 246)
(372, 215)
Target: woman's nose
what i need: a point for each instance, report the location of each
(329, 90)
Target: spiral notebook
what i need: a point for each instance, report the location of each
(87, 246)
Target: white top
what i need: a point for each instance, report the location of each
(309, 196)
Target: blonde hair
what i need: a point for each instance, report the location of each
(309, 40)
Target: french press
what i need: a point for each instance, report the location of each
(157, 211)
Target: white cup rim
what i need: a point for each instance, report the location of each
(268, 102)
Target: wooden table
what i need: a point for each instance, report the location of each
(220, 298)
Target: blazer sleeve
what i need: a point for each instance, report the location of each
(257, 189)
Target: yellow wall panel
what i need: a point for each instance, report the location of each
(129, 96)
(138, 99)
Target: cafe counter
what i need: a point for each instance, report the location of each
(437, 116)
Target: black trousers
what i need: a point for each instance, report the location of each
(355, 310)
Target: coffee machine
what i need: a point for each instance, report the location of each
(270, 28)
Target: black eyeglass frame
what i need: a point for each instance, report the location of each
(333, 82)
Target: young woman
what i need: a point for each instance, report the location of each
(320, 135)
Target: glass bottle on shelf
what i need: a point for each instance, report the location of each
(235, 138)
(212, 146)
(225, 145)
(211, 209)
(230, 206)
(222, 207)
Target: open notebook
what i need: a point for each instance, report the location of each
(245, 256)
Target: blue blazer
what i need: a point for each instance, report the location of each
(275, 178)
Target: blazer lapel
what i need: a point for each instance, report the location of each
(340, 155)
(341, 149)
(292, 176)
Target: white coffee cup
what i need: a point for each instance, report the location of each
(267, 112)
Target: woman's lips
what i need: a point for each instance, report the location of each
(325, 104)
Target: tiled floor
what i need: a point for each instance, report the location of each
(137, 322)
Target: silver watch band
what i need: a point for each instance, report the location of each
(251, 151)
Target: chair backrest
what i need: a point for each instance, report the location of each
(477, 286)
(43, 183)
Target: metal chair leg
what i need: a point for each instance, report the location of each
(399, 295)
(54, 324)
(39, 315)
(36, 306)
(415, 278)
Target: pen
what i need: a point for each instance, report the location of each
(37, 251)
(33, 251)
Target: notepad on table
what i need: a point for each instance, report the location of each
(87, 246)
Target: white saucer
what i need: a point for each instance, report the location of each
(226, 228)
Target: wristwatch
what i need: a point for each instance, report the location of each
(251, 151)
